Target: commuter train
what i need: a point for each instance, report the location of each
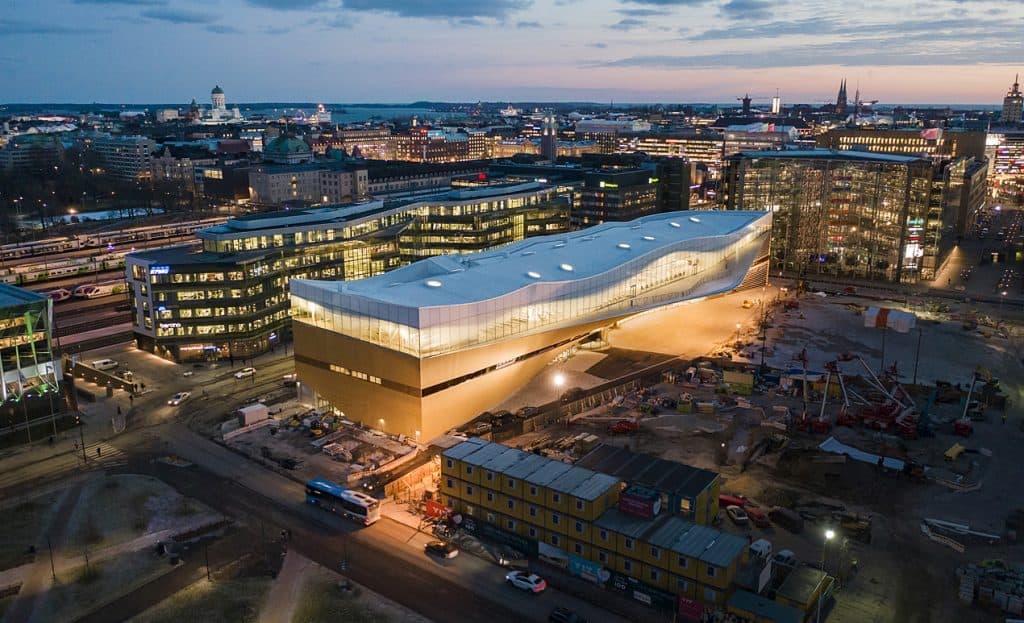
(109, 240)
(97, 290)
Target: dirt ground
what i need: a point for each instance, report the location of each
(901, 577)
(323, 602)
(229, 601)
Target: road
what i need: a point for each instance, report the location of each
(387, 557)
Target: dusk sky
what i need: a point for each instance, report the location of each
(169, 51)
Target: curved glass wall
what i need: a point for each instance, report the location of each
(675, 272)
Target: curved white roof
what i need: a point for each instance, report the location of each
(549, 260)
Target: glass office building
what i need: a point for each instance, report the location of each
(453, 332)
(849, 214)
(230, 299)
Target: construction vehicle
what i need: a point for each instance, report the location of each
(853, 525)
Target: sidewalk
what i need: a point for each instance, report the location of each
(285, 591)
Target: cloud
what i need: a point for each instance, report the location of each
(896, 50)
(276, 30)
(627, 24)
(338, 22)
(529, 25)
(223, 29)
(453, 9)
(286, 5)
(10, 27)
(817, 26)
(128, 2)
(642, 12)
(472, 22)
(748, 9)
(599, 45)
(668, 2)
(179, 16)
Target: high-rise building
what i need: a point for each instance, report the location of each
(230, 300)
(934, 143)
(846, 213)
(841, 103)
(617, 195)
(549, 139)
(125, 157)
(1013, 104)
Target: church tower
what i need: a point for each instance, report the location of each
(841, 100)
(1013, 103)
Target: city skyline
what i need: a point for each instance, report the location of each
(623, 50)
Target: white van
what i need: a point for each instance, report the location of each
(105, 364)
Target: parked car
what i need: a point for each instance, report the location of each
(441, 549)
(245, 372)
(737, 515)
(105, 364)
(526, 581)
(527, 412)
(565, 615)
(178, 398)
(785, 558)
(758, 517)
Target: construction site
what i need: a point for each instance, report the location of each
(872, 438)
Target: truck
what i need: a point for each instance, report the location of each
(787, 518)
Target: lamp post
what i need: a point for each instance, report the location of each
(829, 535)
(382, 429)
(1002, 297)
(738, 327)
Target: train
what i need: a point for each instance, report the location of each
(109, 240)
(58, 295)
(97, 290)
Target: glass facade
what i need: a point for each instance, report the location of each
(863, 217)
(669, 273)
(26, 358)
(231, 300)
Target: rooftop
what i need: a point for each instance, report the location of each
(473, 277)
(802, 584)
(194, 255)
(642, 469)
(832, 154)
(764, 608)
(11, 296)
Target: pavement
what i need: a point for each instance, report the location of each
(285, 591)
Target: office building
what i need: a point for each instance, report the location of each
(27, 365)
(1005, 150)
(370, 143)
(845, 213)
(934, 143)
(1013, 104)
(435, 145)
(617, 195)
(230, 299)
(757, 136)
(128, 158)
(430, 345)
(26, 153)
(612, 529)
(388, 179)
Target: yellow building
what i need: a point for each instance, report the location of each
(570, 515)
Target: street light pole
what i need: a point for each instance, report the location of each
(917, 354)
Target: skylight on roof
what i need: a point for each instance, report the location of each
(559, 245)
(532, 274)
(674, 224)
(433, 283)
(694, 219)
(648, 238)
(623, 245)
(566, 267)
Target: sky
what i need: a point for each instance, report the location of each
(338, 51)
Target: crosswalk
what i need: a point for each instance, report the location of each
(99, 455)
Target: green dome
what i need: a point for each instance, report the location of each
(287, 145)
(217, 90)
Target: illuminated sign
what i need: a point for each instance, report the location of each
(608, 185)
(170, 325)
(159, 270)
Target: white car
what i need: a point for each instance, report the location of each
(526, 581)
(737, 515)
(244, 372)
(178, 398)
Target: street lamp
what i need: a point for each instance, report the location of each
(738, 327)
(559, 379)
(829, 535)
(1002, 297)
(381, 422)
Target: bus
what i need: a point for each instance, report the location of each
(347, 503)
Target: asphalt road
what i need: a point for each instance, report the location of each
(387, 557)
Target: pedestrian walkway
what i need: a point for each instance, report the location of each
(39, 579)
(287, 589)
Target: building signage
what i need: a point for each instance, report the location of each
(588, 570)
(159, 270)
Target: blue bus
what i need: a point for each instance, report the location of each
(333, 497)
